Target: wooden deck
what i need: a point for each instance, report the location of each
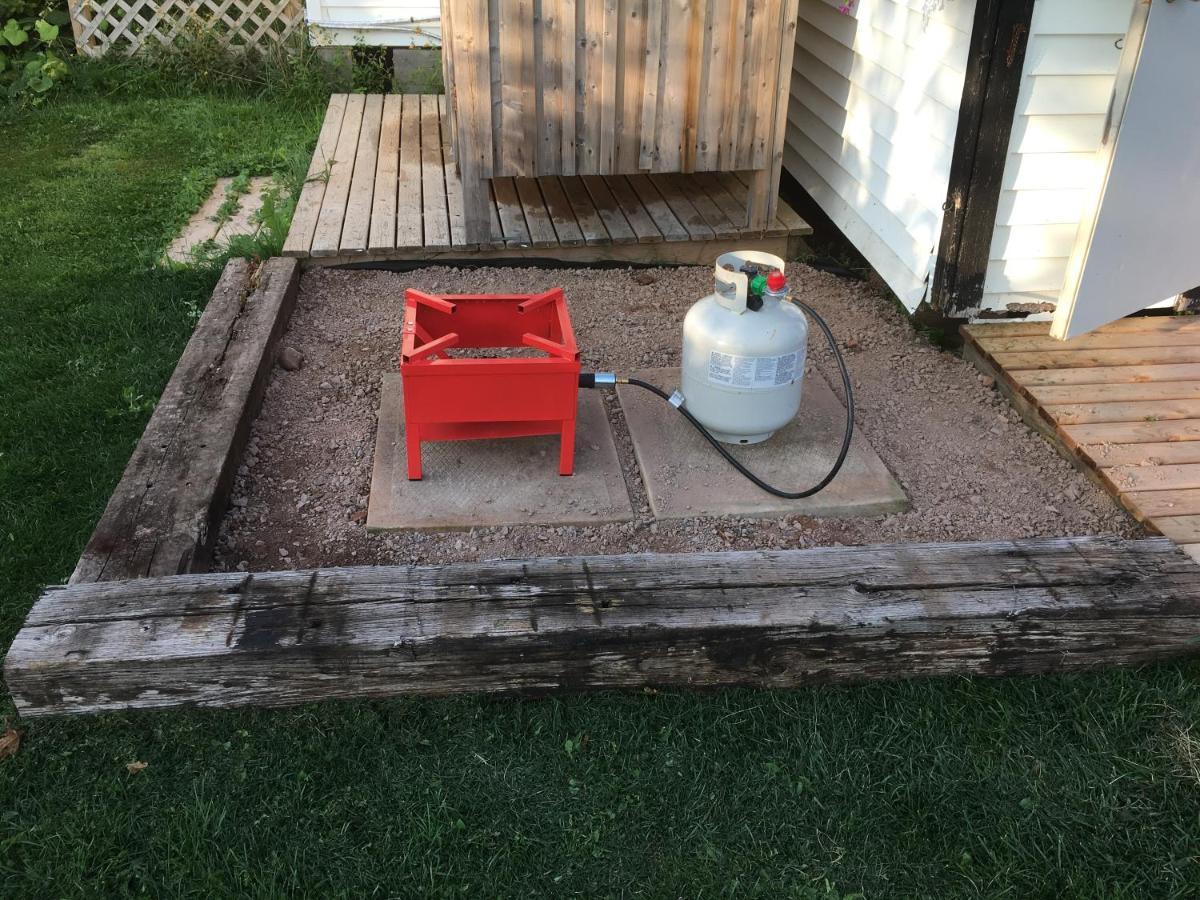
(1123, 403)
(383, 186)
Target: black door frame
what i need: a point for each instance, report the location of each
(999, 37)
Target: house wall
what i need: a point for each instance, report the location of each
(388, 23)
(871, 125)
(1052, 165)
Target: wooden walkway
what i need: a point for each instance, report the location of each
(383, 186)
(1123, 403)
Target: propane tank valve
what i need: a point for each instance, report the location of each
(754, 295)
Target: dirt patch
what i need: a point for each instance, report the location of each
(971, 468)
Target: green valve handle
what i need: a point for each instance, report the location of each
(754, 297)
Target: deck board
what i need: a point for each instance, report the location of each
(387, 168)
(659, 210)
(623, 214)
(327, 237)
(433, 178)
(384, 185)
(454, 195)
(537, 217)
(512, 216)
(409, 230)
(682, 206)
(562, 216)
(1122, 402)
(356, 228)
(308, 207)
(589, 218)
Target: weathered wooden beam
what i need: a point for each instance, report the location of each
(163, 515)
(770, 619)
(995, 61)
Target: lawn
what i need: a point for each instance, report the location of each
(1039, 787)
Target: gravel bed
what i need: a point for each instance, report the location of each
(971, 468)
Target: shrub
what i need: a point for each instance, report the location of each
(31, 49)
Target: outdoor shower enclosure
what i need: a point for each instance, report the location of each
(617, 87)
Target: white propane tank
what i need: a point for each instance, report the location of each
(743, 366)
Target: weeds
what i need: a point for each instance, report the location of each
(198, 63)
(274, 218)
(323, 176)
(372, 70)
(31, 62)
(233, 198)
(132, 403)
(271, 221)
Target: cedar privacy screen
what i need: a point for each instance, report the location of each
(617, 87)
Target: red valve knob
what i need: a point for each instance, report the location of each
(776, 281)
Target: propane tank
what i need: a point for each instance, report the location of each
(744, 350)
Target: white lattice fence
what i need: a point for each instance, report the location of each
(125, 26)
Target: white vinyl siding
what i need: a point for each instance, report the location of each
(871, 125)
(388, 23)
(1052, 167)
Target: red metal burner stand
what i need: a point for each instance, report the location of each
(455, 399)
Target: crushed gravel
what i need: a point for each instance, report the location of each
(971, 468)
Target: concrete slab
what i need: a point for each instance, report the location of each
(685, 477)
(504, 482)
(201, 227)
(204, 227)
(249, 204)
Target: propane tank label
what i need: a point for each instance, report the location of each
(752, 372)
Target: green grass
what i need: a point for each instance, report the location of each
(1039, 787)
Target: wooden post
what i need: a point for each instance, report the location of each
(78, 9)
(770, 619)
(999, 37)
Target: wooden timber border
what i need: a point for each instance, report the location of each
(143, 625)
(767, 619)
(163, 516)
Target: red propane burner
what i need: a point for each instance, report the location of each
(456, 399)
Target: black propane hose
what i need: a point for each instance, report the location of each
(592, 379)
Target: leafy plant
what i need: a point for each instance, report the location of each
(132, 403)
(29, 65)
(233, 198)
(272, 221)
(372, 69)
(198, 60)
